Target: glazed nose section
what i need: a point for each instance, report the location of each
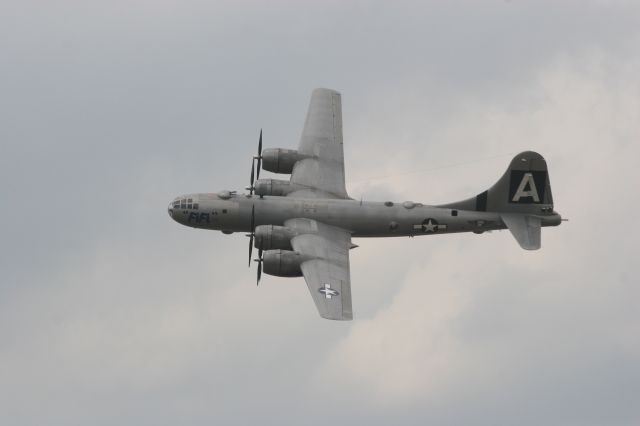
(171, 209)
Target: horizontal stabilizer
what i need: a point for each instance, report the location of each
(525, 229)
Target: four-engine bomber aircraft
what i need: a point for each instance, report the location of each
(304, 226)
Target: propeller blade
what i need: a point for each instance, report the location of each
(252, 231)
(259, 167)
(259, 155)
(259, 265)
(259, 272)
(252, 173)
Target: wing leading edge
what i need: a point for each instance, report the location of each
(327, 269)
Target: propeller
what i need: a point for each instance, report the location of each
(259, 260)
(251, 187)
(252, 231)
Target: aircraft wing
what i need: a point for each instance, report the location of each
(327, 270)
(322, 172)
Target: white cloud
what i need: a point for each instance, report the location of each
(484, 314)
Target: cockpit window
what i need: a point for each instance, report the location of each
(185, 203)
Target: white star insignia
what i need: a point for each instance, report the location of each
(430, 226)
(328, 291)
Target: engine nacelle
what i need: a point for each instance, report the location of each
(270, 237)
(278, 160)
(282, 263)
(275, 187)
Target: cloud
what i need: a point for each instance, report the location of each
(111, 313)
(521, 329)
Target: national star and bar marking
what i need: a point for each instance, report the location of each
(328, 291)
(429, 226)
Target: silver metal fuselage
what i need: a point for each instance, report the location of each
(362, 219)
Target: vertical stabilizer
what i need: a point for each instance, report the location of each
(523, 198)
(523, 188)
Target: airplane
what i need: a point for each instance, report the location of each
(304, 226)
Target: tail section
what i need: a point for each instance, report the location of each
(523, 198)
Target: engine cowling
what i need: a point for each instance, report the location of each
(282, 263)
(270, 237)
(279, 160)
(275, 187)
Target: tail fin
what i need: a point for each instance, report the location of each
(523, 198)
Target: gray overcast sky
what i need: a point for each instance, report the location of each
(111, 313)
